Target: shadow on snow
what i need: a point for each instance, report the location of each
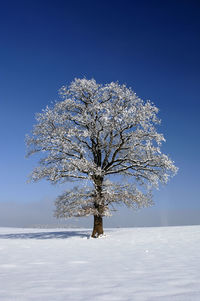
(46, 235)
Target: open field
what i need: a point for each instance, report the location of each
(135, 264)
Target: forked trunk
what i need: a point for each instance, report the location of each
(98, 226)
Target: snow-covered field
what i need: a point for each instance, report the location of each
(133, 264)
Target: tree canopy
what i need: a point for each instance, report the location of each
(93, 133)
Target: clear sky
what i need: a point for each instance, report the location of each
(152, 46)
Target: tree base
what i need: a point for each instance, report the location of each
(98, 226)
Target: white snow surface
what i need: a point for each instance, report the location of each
(136, 264)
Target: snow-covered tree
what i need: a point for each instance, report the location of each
(92, 134)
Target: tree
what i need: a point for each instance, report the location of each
(93, 133)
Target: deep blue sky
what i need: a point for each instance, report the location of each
(152, 46)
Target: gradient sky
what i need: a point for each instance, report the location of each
(152, 46)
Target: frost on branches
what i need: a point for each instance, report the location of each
(95, 132)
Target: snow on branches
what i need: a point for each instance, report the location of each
(95, 132)
(81, 201)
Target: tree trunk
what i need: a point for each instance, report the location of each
(98, 226)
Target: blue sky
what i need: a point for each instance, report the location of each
(152, 46)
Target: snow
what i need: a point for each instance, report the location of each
(140, 264)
